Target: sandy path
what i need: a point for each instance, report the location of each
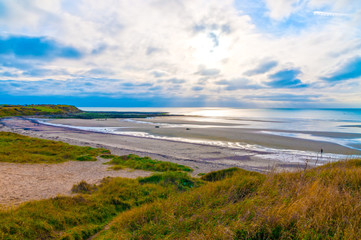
(23, 182)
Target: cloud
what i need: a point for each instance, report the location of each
(208, 72)
(214, 38)
(176, 81)
(286, 79)
(100, 71)
(8, 74)
(152, 50)
(223, 28)
(80, 87)
(285, 98)
(156, 88)
(159, 73)
(330, 14)
(351, 70)
(41, 72)
(236, 84)
(36, 47)
(197, 88)
(263, 67)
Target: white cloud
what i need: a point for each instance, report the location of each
(279, 9)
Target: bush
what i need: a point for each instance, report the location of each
(83, 187)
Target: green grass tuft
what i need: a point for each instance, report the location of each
(146, 163)
(17, 148)
(220, 175)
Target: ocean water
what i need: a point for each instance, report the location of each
(341, 126)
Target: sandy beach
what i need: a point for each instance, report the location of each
(194, 128)
(22, 182)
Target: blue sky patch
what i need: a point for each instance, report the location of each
(292, 24)
(350, 70)
(286, 79)
(36, 47)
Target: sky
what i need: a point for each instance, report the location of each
(181, 53)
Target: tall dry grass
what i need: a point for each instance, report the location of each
(320, 203)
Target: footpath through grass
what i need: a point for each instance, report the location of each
(321, 203)
(17, 148)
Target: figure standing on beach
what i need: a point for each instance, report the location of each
(321, 151)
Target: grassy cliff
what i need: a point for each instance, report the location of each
(30, 110)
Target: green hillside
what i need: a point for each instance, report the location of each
(30, 110)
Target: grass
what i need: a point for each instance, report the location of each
(30, 110)
(17, 148)
(220, 175)
(81, 216)
(321, 203)
(145, 163)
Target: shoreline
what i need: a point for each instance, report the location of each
(251, 138)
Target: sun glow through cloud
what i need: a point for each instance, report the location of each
(208, 52)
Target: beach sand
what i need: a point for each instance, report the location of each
(22, 182)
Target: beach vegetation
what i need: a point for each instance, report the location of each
(83, 187)
(220, 175)
(319, 203)
(145, 163)
(18, 148)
